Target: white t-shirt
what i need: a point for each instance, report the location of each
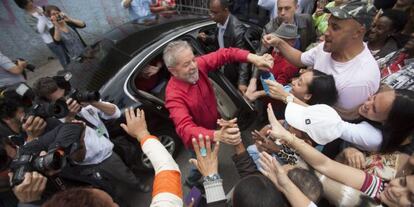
(363, 135)
(43, 26)
(355, 80)
(98, 145)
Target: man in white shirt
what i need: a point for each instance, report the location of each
(99, 148)
(343, 54)
(35, 18)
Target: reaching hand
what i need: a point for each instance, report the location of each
(74, 108)
(271, 40)
(229, 132)
(264, 62)
(263, 143)
(278, 131)
(276, 90)
(135, 126)
(354, 157)
(34, 127)
(251, 93)
(271, 168)
(207, 159)
(32, 187)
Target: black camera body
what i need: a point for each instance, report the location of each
(29, 66)
(57, 109)
(52, 161)
(84, 96)
(60, 18)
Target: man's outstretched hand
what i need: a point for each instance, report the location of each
(135, 126)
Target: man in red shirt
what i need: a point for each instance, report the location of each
(190, 97)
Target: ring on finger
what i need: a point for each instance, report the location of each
(203, 152)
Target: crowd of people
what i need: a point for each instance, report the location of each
(332, 83)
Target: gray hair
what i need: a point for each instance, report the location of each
(172, 49)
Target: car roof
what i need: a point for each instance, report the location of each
(141, 34)
(123, 43)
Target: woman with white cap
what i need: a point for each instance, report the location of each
(387, 119)
(398, 192)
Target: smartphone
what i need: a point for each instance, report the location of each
(194, 194)
(266, 76)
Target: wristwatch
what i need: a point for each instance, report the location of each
(212, 177)
(289, 98)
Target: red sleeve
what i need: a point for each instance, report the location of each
(184, 125)
(215, 60)
(286, 74)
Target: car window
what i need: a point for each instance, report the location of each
(152, 77)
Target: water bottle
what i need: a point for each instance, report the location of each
(266, 76)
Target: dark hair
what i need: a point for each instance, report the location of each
(49, 8)
(45, 86)
(307, 182)
(5, 160)
(257, 191)
(398, 18)
(8, 107)
(75, 197)
(400, 122)
(384, 4)
(21, 3)
(323, 89)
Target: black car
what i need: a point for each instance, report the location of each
(114, 66)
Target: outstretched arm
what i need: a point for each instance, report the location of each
(167, 190)
(316, 159)
(292, 55)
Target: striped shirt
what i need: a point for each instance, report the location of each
(373, 186)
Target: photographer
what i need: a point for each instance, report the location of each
(87, 108)
(50, 156)
(11, 73)
(14, 124)
(34, 17)
(64, 31)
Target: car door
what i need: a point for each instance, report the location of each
(230, 102)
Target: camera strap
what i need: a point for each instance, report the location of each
(59, 183)
(89, 124)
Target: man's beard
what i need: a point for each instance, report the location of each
(193, 78)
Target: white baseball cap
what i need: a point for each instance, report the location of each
(321, 122)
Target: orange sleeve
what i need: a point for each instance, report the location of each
(168, 181)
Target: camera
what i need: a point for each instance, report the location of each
(52, 161)
(20, 92)
(57, 109)
(84, 96)
(60, 17)
(29, 66)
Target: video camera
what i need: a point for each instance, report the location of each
(78, 95)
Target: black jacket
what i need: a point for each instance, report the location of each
(237, 73)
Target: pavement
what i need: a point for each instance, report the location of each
(227, 169)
